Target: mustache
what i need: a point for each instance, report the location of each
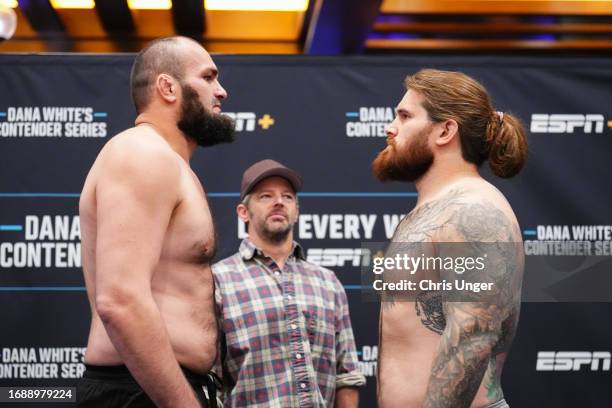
(277, 212)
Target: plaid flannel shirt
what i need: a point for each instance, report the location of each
(288, 336)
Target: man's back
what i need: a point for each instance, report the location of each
(142, 208)
(410, 358)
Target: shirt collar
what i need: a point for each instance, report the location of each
(248, 250)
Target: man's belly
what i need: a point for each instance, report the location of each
(406, 356)
(191, 327)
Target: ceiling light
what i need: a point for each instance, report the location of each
(8, 23)
(150, 4)
(260, 5)
(8, 3)
(73, 4)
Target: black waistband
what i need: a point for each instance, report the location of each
(122, 372)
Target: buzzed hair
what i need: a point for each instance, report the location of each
(163, 55)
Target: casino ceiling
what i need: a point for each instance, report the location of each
(315, 27)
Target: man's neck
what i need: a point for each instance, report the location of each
(279, 251)
(177, 140)
(442, 173)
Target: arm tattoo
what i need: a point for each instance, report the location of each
(478, 330)
(428, 306)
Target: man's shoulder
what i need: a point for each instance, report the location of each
(230, 264)
(140, 154)
(476, 209)
(484, 215)
(140, 142)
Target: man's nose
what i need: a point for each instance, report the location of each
(220, 92)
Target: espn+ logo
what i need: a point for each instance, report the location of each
(246, 121)
(573, 360)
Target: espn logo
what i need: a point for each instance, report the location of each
(329, 257)
(573, 360)
(562, 123)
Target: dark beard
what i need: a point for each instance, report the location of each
(408, 164)
(275, 236)
(203, 127)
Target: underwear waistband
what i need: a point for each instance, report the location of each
(122, 372)
(499, 404)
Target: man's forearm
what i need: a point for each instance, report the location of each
(458, 369)
(347, 397)
(140, 337)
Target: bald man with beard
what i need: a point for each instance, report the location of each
(148, 238)
(438, 351)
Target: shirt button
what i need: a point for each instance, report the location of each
(298, 355)
(294, 326)
(303, 385)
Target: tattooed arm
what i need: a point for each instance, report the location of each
(471, 334)
(477, 329)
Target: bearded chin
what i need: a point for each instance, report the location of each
(408, 164)
(276, 236)
(203, 127)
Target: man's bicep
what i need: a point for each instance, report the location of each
(133, 211)
(486, 258)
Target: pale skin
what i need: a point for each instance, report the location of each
(448, 354)
(273, 203)
(147, 236)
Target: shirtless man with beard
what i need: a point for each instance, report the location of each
(148, 238)
(436, 352)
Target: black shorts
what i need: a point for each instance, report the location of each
(114, 386)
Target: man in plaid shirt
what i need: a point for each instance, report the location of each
(288, 340)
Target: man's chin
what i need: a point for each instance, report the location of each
(381, 166)
(277, 234)
(277, 227)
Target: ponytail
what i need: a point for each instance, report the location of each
(507, 145)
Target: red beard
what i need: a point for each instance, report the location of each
(408, 163)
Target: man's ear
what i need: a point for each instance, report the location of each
(243, 212)
(297, 212)
(447, 131)
(167, 87)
